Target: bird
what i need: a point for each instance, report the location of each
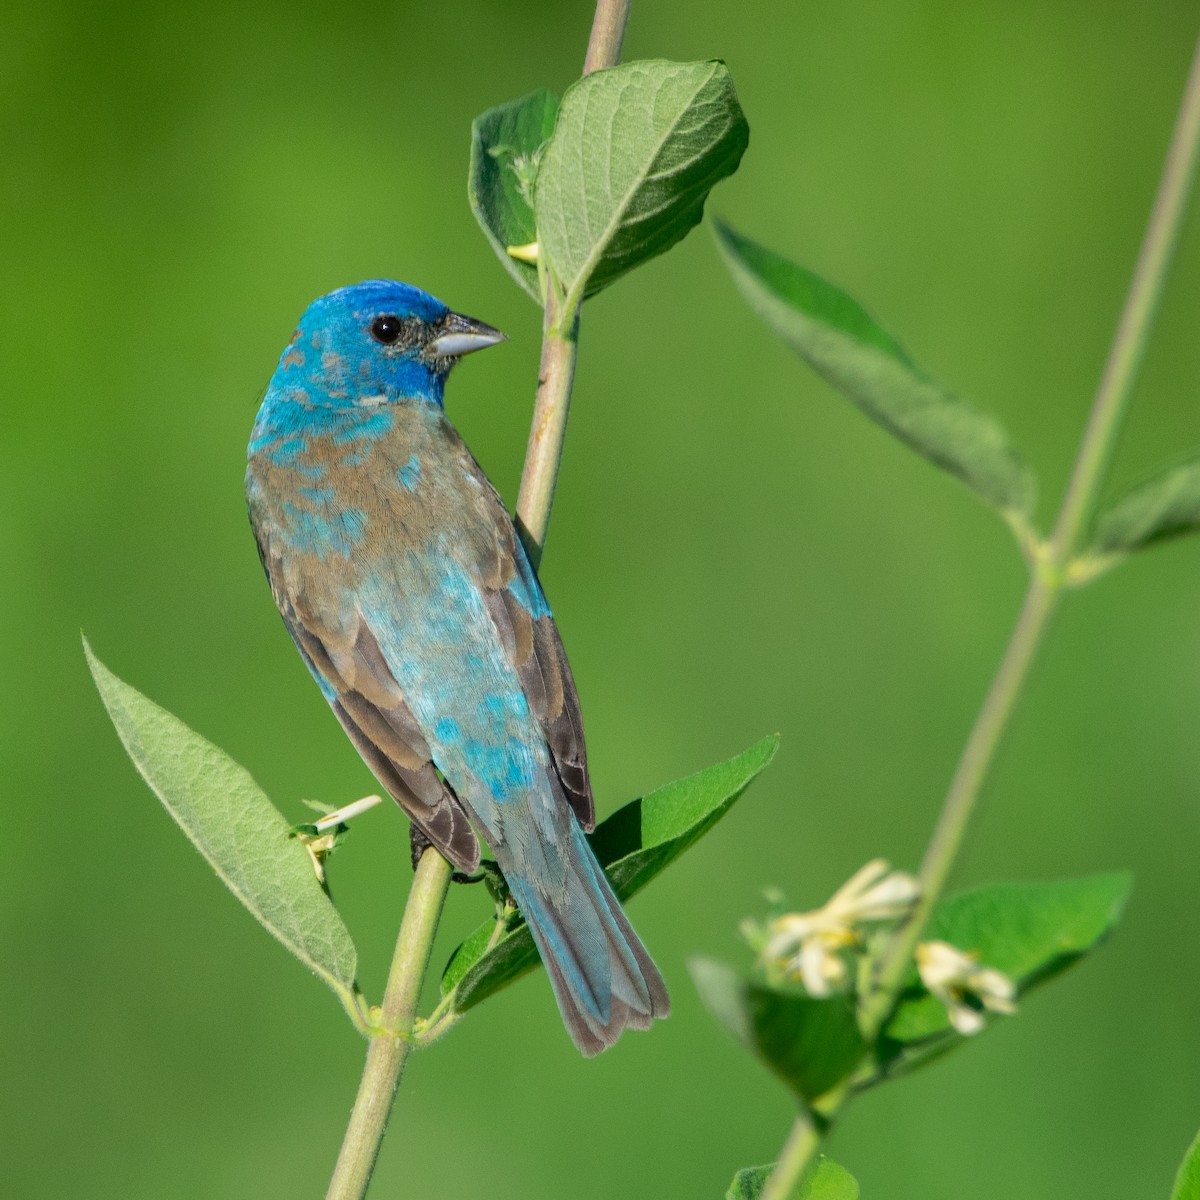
(405, 586)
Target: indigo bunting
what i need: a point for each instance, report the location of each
(403, 583)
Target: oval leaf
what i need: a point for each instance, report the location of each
(1030, 931)
(845, 346)
(824, 1180)
(239, 831)
(634, 154)
(1166, 506)
(812, 1045)
(506, 143)
(633, 845)
(1187, 1181)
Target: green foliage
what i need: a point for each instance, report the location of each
(241, 834)
(506, 143)
(252, 848)
(1164, 506)
(634, 845)
(1187, 1181)
(634, 154)
(812, 1045)
(1030, 931)
(844, 345)
(824, 1180)
(646, 836)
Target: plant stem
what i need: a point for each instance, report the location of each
(556, 374)
(1099, 437)
(560, 340)
(794, 1159)
(1137, 319)
(391, 1045)
(1045, 587)
(608, 32)
(977, 756)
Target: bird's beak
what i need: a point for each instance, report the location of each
(459, 335)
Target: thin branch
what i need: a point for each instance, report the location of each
(961, 798)
(608, 32)
(1112, 397)
(389, 1050)
(794, 1159)
(556, 372)
(393, 1041)
(556, 376)
(1049, 578)
(1137, 319)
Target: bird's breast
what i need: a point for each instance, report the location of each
(382, 496)
(361, 489)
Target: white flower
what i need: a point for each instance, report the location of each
(322, 839)
(812, 945)
(342, 815)
(952, 975)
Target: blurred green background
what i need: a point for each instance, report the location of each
(733, 551)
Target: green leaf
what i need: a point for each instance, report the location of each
(844, 345)
(647, 835)
(505, 148)
(824, 1180)
(1030, 931)
(1187, 1182)
(636, 150)
(239, 831)
(1163, 507)
(634, 845)
(812, 1045)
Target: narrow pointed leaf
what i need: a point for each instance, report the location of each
(824, 1180)
(1166, 506)
(634, 845)
(1030, 931)
(811, 1044)
(235, 827)
(505, 146)
(1187, 1181)
(845, 345)
(635, 152)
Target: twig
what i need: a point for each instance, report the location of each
(794, 1159)
(391, 1044)
(608, 32)
(1050, 575)
(551, 406)
(556, 372)
(1108, 408)
(389, 1050)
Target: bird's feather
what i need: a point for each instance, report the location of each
(402, 581)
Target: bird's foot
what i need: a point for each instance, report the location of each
(420, 843)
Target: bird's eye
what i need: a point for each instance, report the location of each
(386, 329)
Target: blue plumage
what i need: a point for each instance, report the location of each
(402, 581)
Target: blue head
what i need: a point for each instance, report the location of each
(373, 343)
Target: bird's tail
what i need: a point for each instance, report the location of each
(603, 977)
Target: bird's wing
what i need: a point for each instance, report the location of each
(531, 641)
(352, 673)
